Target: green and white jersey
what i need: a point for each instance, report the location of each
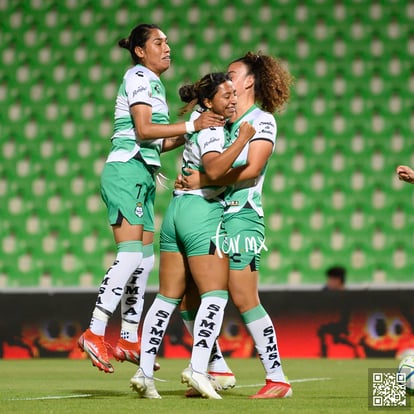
(139, 86)
(196, 146)
(249, 192)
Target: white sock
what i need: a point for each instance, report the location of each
(188, 317)
(112, 286)
(207, 327)
(217, 362)
(261, 328)
(155, 324)
(98, 322)
(132, 302)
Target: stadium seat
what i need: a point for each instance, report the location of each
(346, 128)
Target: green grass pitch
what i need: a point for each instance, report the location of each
(59, 386)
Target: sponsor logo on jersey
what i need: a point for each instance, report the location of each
(140, 89)
(211, 141)
(269, 124)
(265, 131)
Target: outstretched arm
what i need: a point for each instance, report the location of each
(146, 129)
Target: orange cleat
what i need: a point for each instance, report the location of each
(274, 389)
(129, 351)
(95, 348)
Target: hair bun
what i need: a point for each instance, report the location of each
(124, 43)
(187, 93)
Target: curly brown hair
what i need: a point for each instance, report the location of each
(272, 80)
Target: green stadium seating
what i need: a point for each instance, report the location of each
(332, 177)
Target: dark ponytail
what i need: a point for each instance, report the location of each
(188, 93)
(138, 37)
(197, 92)
(124, 43)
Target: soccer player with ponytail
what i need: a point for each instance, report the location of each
(141, 132)
(263, 87)
(190, 241)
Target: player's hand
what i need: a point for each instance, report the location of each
(178, 183)
(405, 174)
(208, 119)
(246, 131)
(192, 180)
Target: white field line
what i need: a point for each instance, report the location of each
(291, 381)
(311, 379)
(62, 397)
(50, 397)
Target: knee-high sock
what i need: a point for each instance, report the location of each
(261, 328)
(132, 301)
(155, 324)
(207, 327)
(188, 317)
(128, 258)
(217, 363)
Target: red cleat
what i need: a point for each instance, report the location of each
(95, 348)
(129, 351)
(274, 389)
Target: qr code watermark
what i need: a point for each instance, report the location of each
(387, 389)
